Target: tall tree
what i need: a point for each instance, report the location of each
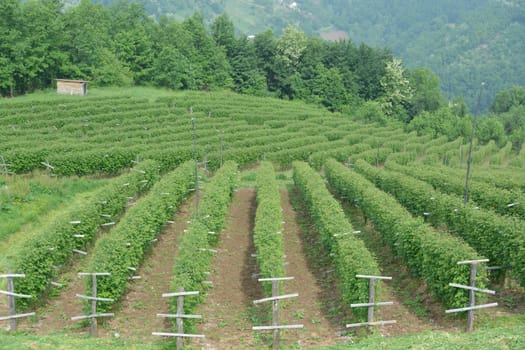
(427, 94)
(397, 92)
(11, 51)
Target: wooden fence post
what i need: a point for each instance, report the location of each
(371, 303)
(179, 316)
(472, 296)
(11, 295)
(94, 299)
(275, 327)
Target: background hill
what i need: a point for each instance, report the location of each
(465, 41)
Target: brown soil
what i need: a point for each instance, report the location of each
(414, 308)
(311, 307)
(229, 304)
(137, 316)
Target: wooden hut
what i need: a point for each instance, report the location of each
(72, 87)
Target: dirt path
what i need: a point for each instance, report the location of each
(414, 308)
(137, 316)
(310, 308)
(228, 306)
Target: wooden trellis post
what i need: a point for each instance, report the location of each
(472, 296)
(94, 300)
(371, 303)
(11, 295)
(276, 327)
(4, 167)
(49, 168)
(179, 317)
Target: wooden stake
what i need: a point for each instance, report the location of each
(94, 307)
(179, 322)
(275, 315)
(196, 167)
(11, 302)
(371, 300)
(472, 297)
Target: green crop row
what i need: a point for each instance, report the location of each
(337, 236)
(126, 244)
(52, 246)
(499, 238)
(193, 261)
(504, 202)
(431, 255)
(267, 233)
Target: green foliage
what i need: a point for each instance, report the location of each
(506, 99)
(193, 259)
(499, 238)
(397, 92)
(267, 233)
(428, 254)
(440, 122)
(125, 245)
(481, 193)
(350, 256)
(427, 94)
(53, 244)
(24, 200)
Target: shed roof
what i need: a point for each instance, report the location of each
(73, 81)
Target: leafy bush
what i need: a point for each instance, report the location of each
(125, 245)
(267, 234)
(351, 257)
(194, 258)
(428, 254)
(53, 245)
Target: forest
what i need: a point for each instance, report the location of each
(120, 45)
(465, 42)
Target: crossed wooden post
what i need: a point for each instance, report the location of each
(371, 303)
(275, 310)
(4, 166)
(472, 290)
(179, 316)
(11, 295)
(94, 300)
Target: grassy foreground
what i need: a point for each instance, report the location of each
(503, 333)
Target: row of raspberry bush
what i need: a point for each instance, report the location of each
(429, 254)
(127, 243)
(52, 246)
(267, 233)
(499, 238)
(193, 261)
(337, 236)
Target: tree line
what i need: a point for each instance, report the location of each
(120, 45)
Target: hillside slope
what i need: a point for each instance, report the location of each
(465, 42)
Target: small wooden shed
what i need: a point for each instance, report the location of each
(72, 87)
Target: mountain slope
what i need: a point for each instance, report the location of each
(464, 41)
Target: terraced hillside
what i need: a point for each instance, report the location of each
(270, 189)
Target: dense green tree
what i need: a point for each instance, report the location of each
(427, 94)
(441, 122)
(11, 49)
(247, 77)
(329, 88)
(223, 32)
(265, 51)
(490, 129)
(89, 44)
(291, 46)
(132, 35)
(397, 92)
(505, 100)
